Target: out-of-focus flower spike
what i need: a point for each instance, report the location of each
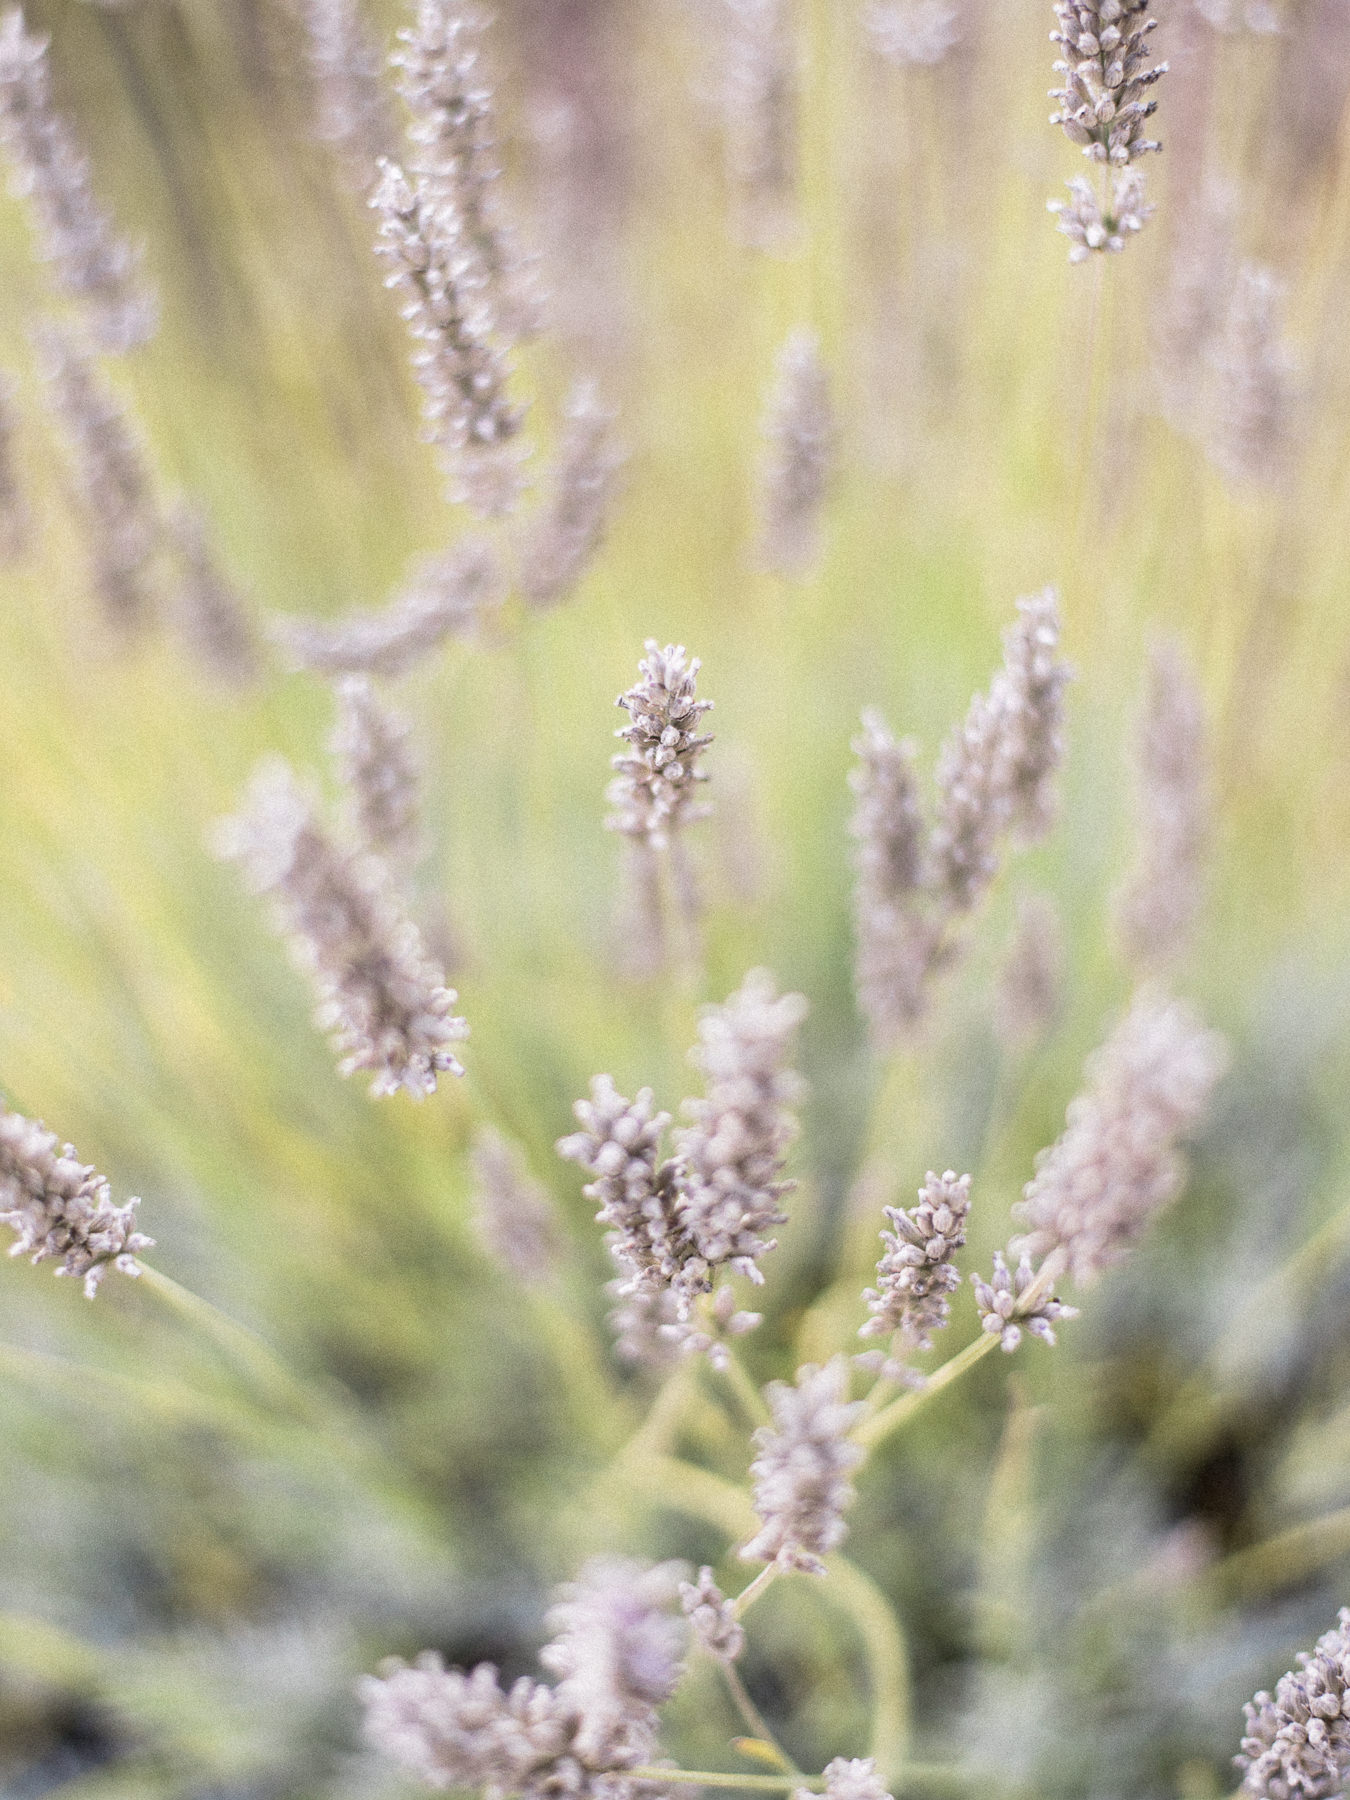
(372, 746)
(794, 481)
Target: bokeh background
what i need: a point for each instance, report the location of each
(1094, 1553)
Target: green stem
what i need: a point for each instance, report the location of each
(753, 1589)
(754, 1718)
(871, 1432)
(1288, 1557)
(738, 1378)
(887, 1660)
(263, 1367)
(765, 1784)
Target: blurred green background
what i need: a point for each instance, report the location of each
(1095, 1553)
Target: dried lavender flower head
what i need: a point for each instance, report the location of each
(381, 998)
(850, 1778)
(1010, 1304)
(512, 1212)
(452, 1729)
(1027, 998)
(462, 370)
(110, 477)
(1296, 1745)
(732, 1151)
(653, 793)
(891, 835)
(1105, 70)
(1157, 910)
(801, 1475)
(372, 747)
(448, 94)
(210, 610)
(1091, 224)
(449, 594)
(352, 110)
(618, 1652)
(59, 1206)
(760, 94)
(1251, 430)
(1116, 1165)
(917, 1271)
(799, 434)
(712, 1618)
(560, 543)
(75, 234)
(915, 34)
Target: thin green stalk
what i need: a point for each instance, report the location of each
(760, 1728)
(899, 1412)
(738, 1378)
(753, 1589)
(764, 1784)
(887, 1661)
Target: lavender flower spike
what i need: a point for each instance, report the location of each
(381, 998)
(511, 1211)
(895, 942)
(1157, 911)
(619, 1145)
(732, 1152)
(110, 477)
(1006, 1311)
(61, 1207)
(462, 371)
(799, 434)
(1115, 1166)
(917, 1271)
(379, 775)
(1252, 428)
(90, 263)
(761, 99)
(618, 1653)
(850, 1778)
(352, 111)
(712, 1618)
(1105, 72)
(451, 1729)
(1091, 225)
(1297, 1742)
(801, 1475)
(211, 611)
(559, 544)
(448, 595)
(454, 153)
(653, 793)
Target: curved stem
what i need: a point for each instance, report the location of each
(887, 1661)
(892, 1417)
(754, 1718)
(738, 1377)
(753, 1589)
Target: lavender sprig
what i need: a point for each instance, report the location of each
(372, 747)
(801, 1475)
(559, 544)
(1297, 1741)
(59, 1206)
(917, 1271)
(799, 439)
(381, 998)
(75, 234)
(1011, 1303)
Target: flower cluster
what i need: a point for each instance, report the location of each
(799, 436)
(917, 1271)
(995, 778)
(1297, 1742)
(381, 997)
(1115, 1166)
(460, 367)
(210, 610)
(712, 1618)
(653, 793)
(617, 1656)
(76, 236)
(1013, 1302)
(558, 545)
(372, 747)
(448, 596)
(801, 1475)
(62, 1207)
(761, 80)
(676, 1222)
(454, 155)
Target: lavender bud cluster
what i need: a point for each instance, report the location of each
(712, 1618)
(1115, 1166)
(617, 1656)
(60, 1207)
(442, 82)
(461, 369)
(1011, 1303)
(995, 779)
(653, 794)
(448, 595)
(381, 998)
(559, 544)
(917, 1271)
(511, 1211)
(801, 1475)
(372, 746)
(799, 434)
(89, 262)
(1297, 1741)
